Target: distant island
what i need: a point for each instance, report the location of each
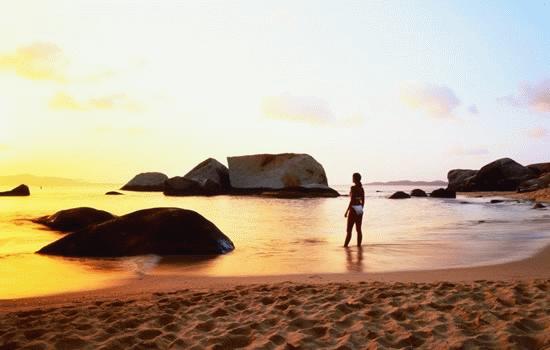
(34, 180)
(410, 183)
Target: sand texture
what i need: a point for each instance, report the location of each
(358, 315)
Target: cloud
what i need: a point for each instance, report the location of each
(306, 109)
(297, 108)
(437, 101)
(469, 151)
(538, 133)
(64, 101)
(535, 96)
(38, 61)
(473, 109)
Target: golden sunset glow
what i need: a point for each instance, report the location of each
(104, 90)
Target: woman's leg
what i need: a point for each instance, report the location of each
(349, 228)
(358, 224)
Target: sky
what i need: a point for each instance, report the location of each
(103, 90)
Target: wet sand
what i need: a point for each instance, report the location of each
(500, 306)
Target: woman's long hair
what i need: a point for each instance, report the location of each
(357, 179)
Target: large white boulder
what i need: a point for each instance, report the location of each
(151, 181)
(278, 172)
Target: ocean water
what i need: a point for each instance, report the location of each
(274, 236)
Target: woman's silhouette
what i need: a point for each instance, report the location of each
(354, 212)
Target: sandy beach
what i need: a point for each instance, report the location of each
(500, 306)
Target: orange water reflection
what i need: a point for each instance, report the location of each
(272, 236)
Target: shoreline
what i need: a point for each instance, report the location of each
(535, 196)
(534, 267)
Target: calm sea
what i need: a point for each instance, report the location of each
(274, 236)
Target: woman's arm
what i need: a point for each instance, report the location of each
(349, 205)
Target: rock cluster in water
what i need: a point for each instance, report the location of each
(439, 193)
(501, 175)
(287, 175)
(162, 231)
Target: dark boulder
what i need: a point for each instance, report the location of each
(540, 168)
(460, 179)
(21, 190)
(501, 175)
(539, 183)
(208, 178)
(399, 195)
(418, 193)
(113, 193)
(443, 193)
(212, 175)
(74, 219)
(146, 182)
(162, 231)
(539, 206)
(495, 201)
(181, 186)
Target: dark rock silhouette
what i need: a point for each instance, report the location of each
(163, 231)
(460, 179)
(181, 186)
(113, 193)
(495, 201)
(211, 174)
(539, 206)
(501, 175)
(74, 219)
(418, 193)
(543, 181)
(540, 168)
(146, 182)
(21, 190)
(295, 174)
(443, 193)
(208, 178)
(399, 195)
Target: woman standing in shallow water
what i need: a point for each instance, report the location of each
(354, 212)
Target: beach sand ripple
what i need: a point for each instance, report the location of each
(358, 315)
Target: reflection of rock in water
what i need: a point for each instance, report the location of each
(141, 265)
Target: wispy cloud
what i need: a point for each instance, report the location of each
(436, 100)
(306, 109)
(47, 61)
(538, 133)
(535, 96)
(297, 108)
(469, 151)
(38, 61)
(65, 101)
